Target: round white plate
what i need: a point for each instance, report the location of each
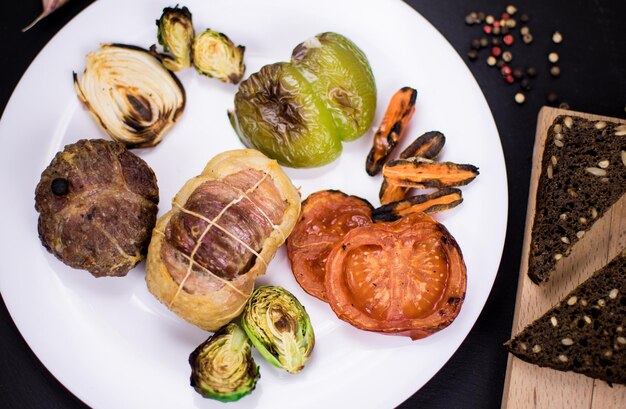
(114, 345)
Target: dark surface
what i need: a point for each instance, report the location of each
(593, 79)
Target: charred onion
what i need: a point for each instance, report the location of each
(131, 94)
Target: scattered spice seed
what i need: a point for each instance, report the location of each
(511, 23)
(500, 63)
(552, 98)
(507, 56)
(506, 70)
(489, 19)
(524, 18)
(525, 84)
(484, 42)
(553, 57)
(496, 51)
(481, 16)
(487, 29)
(491, 61)
(527, 38)
(497, 30)
(471, 19)
(518, 73)
(557, 37)
(508, 40)
(475, 44)
(531, 72)
(555, 71)
(511, 9)
(524, 30)
(495, 41)
(520, 98)
(509, 79)
(472, 54)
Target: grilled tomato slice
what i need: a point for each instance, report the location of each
(404, 278)
(326, 216)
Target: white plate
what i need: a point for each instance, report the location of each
(108, 340)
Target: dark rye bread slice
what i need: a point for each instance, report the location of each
(583, 173)
(585, 332)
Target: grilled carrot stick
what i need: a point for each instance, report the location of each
(391, 129)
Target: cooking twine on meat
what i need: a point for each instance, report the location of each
(210, 224)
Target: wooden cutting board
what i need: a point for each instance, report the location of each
(528, 386)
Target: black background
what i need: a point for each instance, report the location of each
(593, 79)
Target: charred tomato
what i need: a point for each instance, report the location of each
(405, 277)
(326, 216)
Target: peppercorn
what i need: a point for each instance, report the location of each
(506, 70)
(60, 186)
(511, 9)
(500, 64)
(475, 44)
(527, 38)
(487, 29)
(489, 19)
(552, 98)
(508, 40)
(509, 79)
(518, 73)
(472, 54)
(520, 98)
(491, 61)
(532, 72)
(557, 37)
(555, 71)
(507, 56)
(495, 41)
(553, 57)
(524, 18)
(525, 84)
(484, 42)
(496, 51)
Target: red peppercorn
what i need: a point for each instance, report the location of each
(505, 16)
(508, 39)
(496, 51)
(487, 29)
(496, 23)
(509, 79)
(506, 70)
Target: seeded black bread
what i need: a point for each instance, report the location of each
(583, 173)
(585, 332)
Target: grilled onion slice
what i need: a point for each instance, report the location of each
(131, 94)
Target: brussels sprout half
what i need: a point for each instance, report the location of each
(215, 55)
(222, 367)
(175, 34)
(279, 327)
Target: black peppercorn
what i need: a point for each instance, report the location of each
(532, 72)
(60, 186)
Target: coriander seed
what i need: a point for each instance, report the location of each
(557, 37)
(520, 98)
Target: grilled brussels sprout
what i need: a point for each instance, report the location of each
(215, 55)
(279, 327)
(222, 367)
(279, 114)
(130, 94)
(338, 69)
(300, 112)
(175, 34)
